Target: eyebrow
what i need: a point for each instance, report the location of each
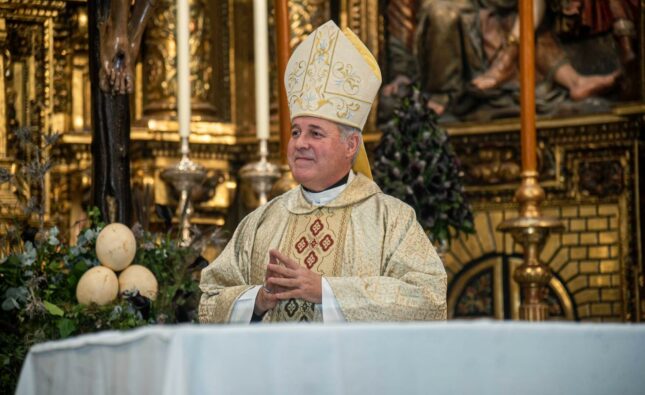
(316, 128)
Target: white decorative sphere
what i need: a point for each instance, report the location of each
(116, 246)
(137, 277)
(98, 285)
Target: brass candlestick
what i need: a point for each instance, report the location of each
(531, 230)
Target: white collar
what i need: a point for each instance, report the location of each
(324, 197)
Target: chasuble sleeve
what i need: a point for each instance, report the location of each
(412, 284)
(224, 280)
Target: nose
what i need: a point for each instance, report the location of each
(301, 142)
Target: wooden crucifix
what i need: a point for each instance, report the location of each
(115, 31)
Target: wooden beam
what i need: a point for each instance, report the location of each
(284, 51)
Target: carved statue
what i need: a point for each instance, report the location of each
(593, 16)
(121, 35)
(465, 54)
(115, 31)
(583, 17)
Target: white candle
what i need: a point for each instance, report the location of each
(183, 71)
(261, 48)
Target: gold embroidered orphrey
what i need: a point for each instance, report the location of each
(314, 240)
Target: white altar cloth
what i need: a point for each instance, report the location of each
(481, 357)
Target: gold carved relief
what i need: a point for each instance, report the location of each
(363, 18)
(81, 115)
(160, 62)
(305, 16)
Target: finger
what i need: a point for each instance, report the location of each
(272, 270)
(287, 295)
(104, 84)
(272, 258)
(288, 262)
(274, 289)
(280, 270)
(121, 82)
(284, 282)
(266, 288)
(270, 291)
(117, 83)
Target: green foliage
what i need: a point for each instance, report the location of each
(39, 273)
(416, 163)
(38, 292)
(34, 160)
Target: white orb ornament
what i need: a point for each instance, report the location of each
(137, 277)
(98, 285)
(116, 246)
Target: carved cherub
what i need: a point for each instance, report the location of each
(121, 31)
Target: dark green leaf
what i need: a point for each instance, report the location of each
(65, 327)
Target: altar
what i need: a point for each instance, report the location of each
(482, 357)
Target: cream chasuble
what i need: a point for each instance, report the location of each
(368, 246)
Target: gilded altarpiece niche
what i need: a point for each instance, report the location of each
(28, 46)
(159, 61)
(484, 288)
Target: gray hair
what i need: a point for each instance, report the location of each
(346, 132)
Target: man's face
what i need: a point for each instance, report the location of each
(318, 155)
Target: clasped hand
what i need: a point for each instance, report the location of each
(285, 282)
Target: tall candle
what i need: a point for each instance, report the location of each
(528, 136)
(183, 71)
(261, 48)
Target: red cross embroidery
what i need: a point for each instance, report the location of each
(316, 227)
(311, 260)
(326, 243)
(301, 245)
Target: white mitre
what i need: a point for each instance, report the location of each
(332, 75)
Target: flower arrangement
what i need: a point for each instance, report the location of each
(38, 292)
(39, 273)
(417, 164)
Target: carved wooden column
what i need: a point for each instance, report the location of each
(284, 51)
(286, 182)
(531, 228)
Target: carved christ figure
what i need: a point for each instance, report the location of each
(121, 35)
(115, 31)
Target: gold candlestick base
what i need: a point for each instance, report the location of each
(261, 174)
(184, 176)
(531, 230)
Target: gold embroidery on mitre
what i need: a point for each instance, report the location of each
(332, 75)
(316, 241)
